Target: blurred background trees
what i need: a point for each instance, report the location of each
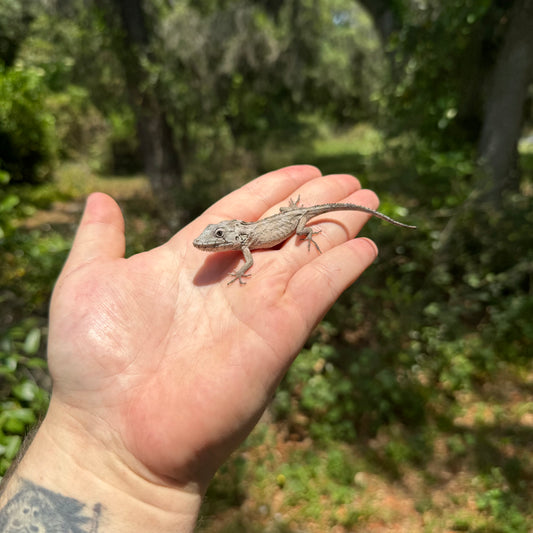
(422, 370)
(475, 61)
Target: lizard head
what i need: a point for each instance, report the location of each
(226, 235)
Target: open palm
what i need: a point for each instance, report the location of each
(168, 365)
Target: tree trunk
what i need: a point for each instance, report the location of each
(386, 21)
(504, 104)
(161, 160)
(385, 17)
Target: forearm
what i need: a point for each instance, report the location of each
(66, 478)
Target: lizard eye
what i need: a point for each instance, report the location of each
(219, 233)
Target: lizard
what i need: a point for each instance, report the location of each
(270, 231)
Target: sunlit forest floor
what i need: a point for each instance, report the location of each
(425, 479)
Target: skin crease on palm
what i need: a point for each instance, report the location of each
(157, 359)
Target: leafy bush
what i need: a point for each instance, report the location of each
(80, 128)
(443, 53)
(23, 399)
(27, 139)
(443, 310)
(30, 263)
(122, 155)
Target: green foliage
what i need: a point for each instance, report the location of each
(445, 309)
(15, 18)
(500, 504)
(8, 202)
(479, 281)
(259, 72)
(308, 477)
(23, 400)
(26, 277)
(79, 127)
(323, 394)
(441, 179)
(232, 78)
(27, 142)
(343, 396)
(30, 260)
(31, 263)
(84, 95)
(122, 156)
(442, 55)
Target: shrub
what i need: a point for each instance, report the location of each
(27, 138)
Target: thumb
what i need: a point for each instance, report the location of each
(100, 234)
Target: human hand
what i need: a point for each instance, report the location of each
(162, 362)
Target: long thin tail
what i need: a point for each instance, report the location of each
(354, 207)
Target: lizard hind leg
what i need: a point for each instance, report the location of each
(292, 205)
(296, 203)
(307, 235)
(238, 276)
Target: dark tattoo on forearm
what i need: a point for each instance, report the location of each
(34, 508)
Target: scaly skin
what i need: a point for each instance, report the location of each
(270, 231)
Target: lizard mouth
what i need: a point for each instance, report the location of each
(200, 245)
(207, 246)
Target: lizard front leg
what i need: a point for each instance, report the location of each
(241, 273)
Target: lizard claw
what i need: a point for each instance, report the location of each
(309, 238)
(296, 203)
(292, 205)
(237, 276)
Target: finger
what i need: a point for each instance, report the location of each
(100, 233)
(330, 274)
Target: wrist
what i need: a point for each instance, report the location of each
(66, 461)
